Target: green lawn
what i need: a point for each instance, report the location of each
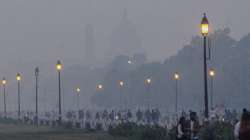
(26, 132)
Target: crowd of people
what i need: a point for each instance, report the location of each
(93, 117)
(187, 124)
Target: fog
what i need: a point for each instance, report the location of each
(39, 32)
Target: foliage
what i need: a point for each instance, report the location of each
(229, 57)
(139, 132)
(99, 127)
(217, 131)
(213, 131)
(8, 121)
(68, 125)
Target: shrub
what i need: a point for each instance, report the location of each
(139, 132)
(217, 131)
(154, 133)
(68, 125)
(99, 126)
(87, 126)
(78, 125)
(8, 121)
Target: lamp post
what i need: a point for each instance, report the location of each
(204, 32)
(59, 68)
(36, 86)
(121, 85)
(212, 75)
(18, 78)
(148, 83)
(78, 90)
(128, 98)
(176, 78)
(4, 82)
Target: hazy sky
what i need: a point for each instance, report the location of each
(37, 32)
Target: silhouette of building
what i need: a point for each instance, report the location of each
(90, 57)
(124, 39)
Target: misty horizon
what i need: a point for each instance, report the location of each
(38, 33)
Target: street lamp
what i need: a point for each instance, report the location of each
(4, 82)
(36, 86)
(99, 87)
(204, 33)
(121, 85)
(176, 78)
(212, 74)
(78, 90)
(59, 68)
(18, 78)
(148, 83)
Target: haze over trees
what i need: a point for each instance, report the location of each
(229, 57)
(95, 39)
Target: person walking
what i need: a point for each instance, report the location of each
(244, 131)
(181, 132)
(194, 126)
(237, 126)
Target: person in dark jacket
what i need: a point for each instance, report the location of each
(181, 131)
(244, 133)
(194, 126)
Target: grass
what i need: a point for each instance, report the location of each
(28, 132)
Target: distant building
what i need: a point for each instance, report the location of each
(124, 39)
(90, 57)
(139, 59)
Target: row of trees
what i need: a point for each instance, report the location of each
(229, 57)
